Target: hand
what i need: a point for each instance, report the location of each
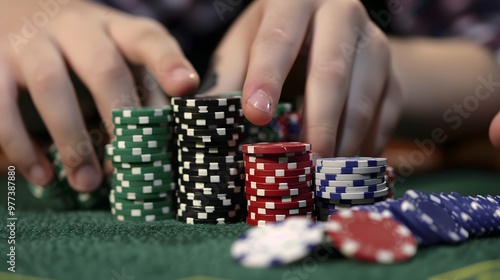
(495, 131)
(95, 42)
(352, 94)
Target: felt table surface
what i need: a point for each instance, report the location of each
(93, 245)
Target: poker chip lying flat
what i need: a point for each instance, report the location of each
(291, 198)
(351, 162)
(370, 237)
(277, 180)
(152, 144)
(274, 160)
(162, 130)
(277, 244)
(274, 166)
(278, 186)
(217, 221)
(276, 148)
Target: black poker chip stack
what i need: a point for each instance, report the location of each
(211, 175)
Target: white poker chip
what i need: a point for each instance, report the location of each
(277, 244)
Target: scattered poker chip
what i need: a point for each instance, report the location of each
(350, 170)
(275, 180)
(282, 205)
(340, 162)
(141, 131)
(290, 198)
(280, 172)
(348, 183)
(277, 192)
(358, 189)
(276, 148)
(207, 101)
(370, 237)
(153, 144)
(347, 177)
(360, 195)
(275, 218)
(290, 211)
(274, 166)
(284, 159)
(277, 244)
(278, 186)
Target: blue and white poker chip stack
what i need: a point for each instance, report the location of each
(343, 182)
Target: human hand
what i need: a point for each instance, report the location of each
(95, 41)
(352, 95)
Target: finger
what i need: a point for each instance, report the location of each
(100, 66)
(152, 94)
(273, 53)
(54, 97)
(146, 42)
(387, 117)
(230, 60)
(26, 156)
(495, 131)
(368, 79)
(329, 73)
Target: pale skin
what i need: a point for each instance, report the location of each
(257, 54)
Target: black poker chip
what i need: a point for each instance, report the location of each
(204, 123)
(206, 109)
(210, 150)
(208, 159)
(199, 132)
(196, 101)
(197, 143)
(208, 116)
(210, 138)
(205, 185)
(212, 165)
(212, 209)
(201, 196)
(212, 178)
(209, 216)
(209, 221)
(209, 202)
(212, 191)
(209, 172)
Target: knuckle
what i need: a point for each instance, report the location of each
(146, 29)
(43, 77)
(275, 36)
(334, 70)
(106, 64)
(328, 129)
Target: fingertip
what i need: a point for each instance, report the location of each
(87, 178)
(495, 131)
(259, 107)
(40, 174)
(180, 81)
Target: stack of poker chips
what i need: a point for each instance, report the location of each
(143, 184)
(278, 181)
(277, 130)
(344, 182)
(61, 196)
(209, 133)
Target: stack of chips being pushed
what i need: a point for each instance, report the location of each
(211, 179)
(143, 183)
(345, 182)
(278, 181)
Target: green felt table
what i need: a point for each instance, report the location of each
(92, 245)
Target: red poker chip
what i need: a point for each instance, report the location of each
(279, 186)
(276, 148)
(282, 205)
(368, 236)
(291, 211)
(284, 159)
(278, 217)
(273, 166)
(278, 193)
(289, 198)
(275, 180)
(280, 172)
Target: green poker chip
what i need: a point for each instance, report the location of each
(140, 196)
(142, 212)
(147, 218)
(112, 151)
(140, 158)
(166, 168)
(142, 120)
(141, 138)
(153, 164)
(130, 112)
(140, 126)
(168, 176)
(162, 130)
(127, 205)
(145, 189)
(152, 144)
(137, 184)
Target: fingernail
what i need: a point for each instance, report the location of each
(182, 74)
(37, 175)
(260, 100)
(87, 178)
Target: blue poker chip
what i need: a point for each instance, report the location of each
(351, 162)
(347, 177)
(486, 211)
(458, 214)
(350, 183)
(471, 210)
(350, 170)
(371, 188)
(360, 195)
(427, 210)
(492, 213)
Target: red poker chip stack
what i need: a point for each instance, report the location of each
(278, 181)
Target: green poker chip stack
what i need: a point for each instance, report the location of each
(143, 180)
(59, 192)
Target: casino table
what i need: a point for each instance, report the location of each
(92, 245)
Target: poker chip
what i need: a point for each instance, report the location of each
(145, 169)
(351, 195)
(209, 209)
(223, 115)
(205, 108)
(211, 191)
(289, 198)
(276, 148)
(278, 186)
(153, 144)
(340, 162)
(274, 166)
(277, 192)
(358, 189)
(350, 183)
(277, 180)
(274, 218)
(207, 216)
(204, 123)
(370, 237)
(231, 171)
(143, 177)
(289, 211)
(350, 170)
(141, 120)
(280, 172)
(282, 205)
(279, 159)
(200, 132)
(141, 131)
(347, 177)
(225, 101)
(211, 165)
(278, 243)
(217, 221)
